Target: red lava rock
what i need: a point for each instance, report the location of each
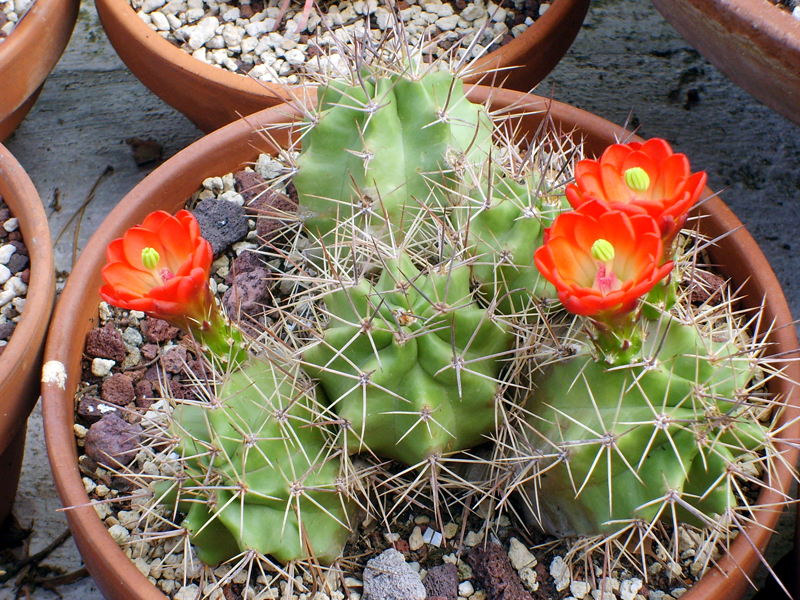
(157, 330)
(149, 351)
(272, 209)
(248, 296)
(401, 546)
(15, 236)
(442, 582)
(118, 389)
(144, 393)
(706, 287)
(105, 343)
(249, 184)
(245, 11)
(25, 276)
(181, 392)
(6, 329)
(20, 246)
(244, 263)
(175, 359)
(493, 570)
(93, 409)
(112, 441)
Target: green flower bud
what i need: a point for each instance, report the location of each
(637, 179)
(150, 258)
(603, 251)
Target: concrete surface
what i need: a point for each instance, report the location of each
(626, 62)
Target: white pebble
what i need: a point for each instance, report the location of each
(190, 592)
(149, 6)
(5, 253)
(6, 296)
(11, 225)
(415, 540)
(465, 589)
(579, 589)
(160, 21)
(543, 9)
(5, 274)
(629, 588)
(120, 534)
(101, 366)
(559, 571)
(520, 556)
(796, 12)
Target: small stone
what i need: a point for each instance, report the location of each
(579, 589)
(450, 530)
(120, 534)
(473, 539)
(520, 556)
(678, 592)
(559, 571)
(105, 343)
(102, 366)
(442, 581)
(465, 589)
(11, 225)
(493, 571)
(388, 577)
(113, 441)
(415, 541)
(189, 592)
(629, 588)
(5, 253)
(158, 330)
(221, 223)
(117, 389)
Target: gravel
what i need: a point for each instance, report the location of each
(244, 38)
(11, 11)
(14, 275)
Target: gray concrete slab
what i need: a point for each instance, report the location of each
(626, 61)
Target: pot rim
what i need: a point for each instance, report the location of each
(51, 20)
(104, 555)
(19, 366)
(506, 56)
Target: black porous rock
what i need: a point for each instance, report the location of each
(221, 222)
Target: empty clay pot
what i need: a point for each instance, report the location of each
(29, 54)
(235, 146)
(754, 43)
(21, 361)
(212, 97)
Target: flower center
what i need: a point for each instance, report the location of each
(150, 260)
(637, 179)
(604, 280)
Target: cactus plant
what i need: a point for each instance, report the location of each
(260, 471)
(387, 145)
(411, 362)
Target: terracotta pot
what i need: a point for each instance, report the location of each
(754, 43)
(29, 54)
(21, 362)
(233, 147)
(212, 97)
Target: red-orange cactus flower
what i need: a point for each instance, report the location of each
(161, 268)
(641, 178)
(602, 261)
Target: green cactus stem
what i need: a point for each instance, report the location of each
(623, 443)
(505, 228)
(384, 148)
(411, 362)
(260, 473)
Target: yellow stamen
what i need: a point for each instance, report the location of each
(603, 251)
(637, 179)
(150, 258)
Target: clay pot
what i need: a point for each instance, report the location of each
(21, 361)
(212, 97)
(755, 44)
(29, 54)
(235, 146)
